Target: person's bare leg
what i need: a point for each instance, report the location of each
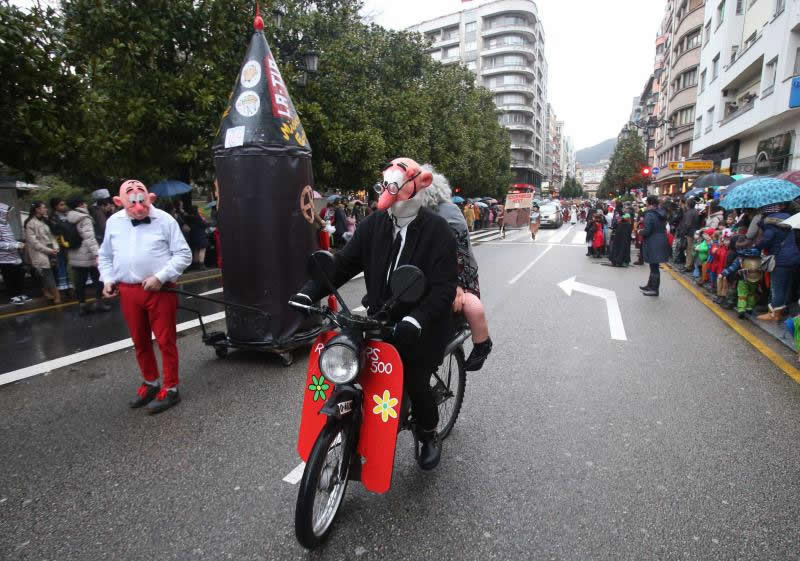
(476, 319)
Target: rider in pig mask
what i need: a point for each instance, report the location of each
(402, 232)
(143, 250)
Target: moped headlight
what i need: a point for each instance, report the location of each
(339, 363)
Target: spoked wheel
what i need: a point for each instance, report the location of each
(322, 487)
(448, 385)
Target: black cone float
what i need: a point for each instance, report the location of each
(263, 164)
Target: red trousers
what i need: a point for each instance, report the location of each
(155, 312)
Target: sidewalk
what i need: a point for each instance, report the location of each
(41, 302)
(777, 330)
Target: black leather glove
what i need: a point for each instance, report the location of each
(406, 333)
(300, 298)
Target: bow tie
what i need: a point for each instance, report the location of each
(136, 222)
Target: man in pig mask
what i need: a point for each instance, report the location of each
(405, 233)
(143, 250)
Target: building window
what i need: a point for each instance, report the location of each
(511, 99)
(449, 34)
(779, 6)
(720, 13)
(702, 81)
(715, 68)
(770, 71)
(739, 7)
(472, 65)
(686, 149)
(797, 62)
(470, 26)
(709, 119)
(734, 51)
(708, 32)
(436, 55)
(698, 127)
(683, 117)
(470, 46)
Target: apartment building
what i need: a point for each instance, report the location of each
(502, 42)
(749, 68)
(678, 48)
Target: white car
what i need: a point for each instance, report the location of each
(551, 216)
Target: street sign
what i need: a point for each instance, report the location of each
(700, 165)
(656, 171)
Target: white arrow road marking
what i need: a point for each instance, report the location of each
(530, 266)
(294, 476)
(612, 305)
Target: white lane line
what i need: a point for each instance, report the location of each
(50, 365)
(210, 292)
(530, 266)
(560, 235)
(294, 476)
(533, 244)
(523, 234)
(580, 238)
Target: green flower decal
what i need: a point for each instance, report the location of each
(319, 387)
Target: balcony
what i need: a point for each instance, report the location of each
(737, 112)
(524, 164)
(513, 28)
(510, 49)
(524, 146)
(452, 41)
(514, 107)
(513, 88)
(521, 127)
(508, 68)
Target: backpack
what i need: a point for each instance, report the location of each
(70, 234)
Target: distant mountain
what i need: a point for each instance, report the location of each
(597, 153)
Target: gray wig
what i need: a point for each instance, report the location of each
(438, 192)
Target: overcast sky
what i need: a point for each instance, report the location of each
(599, 53)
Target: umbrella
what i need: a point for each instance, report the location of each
(793, 221)
(170, 188)
(458, 200)
(317, 195)
(482, 204)
(334, 198)
(713, 180)
(695, 192)
(739, 176)
(728, 189)
(793, 176)
(492, 201)
(761, 191)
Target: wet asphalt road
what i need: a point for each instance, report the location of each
(680, 443)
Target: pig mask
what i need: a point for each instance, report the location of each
(133, 196)
(407, 177)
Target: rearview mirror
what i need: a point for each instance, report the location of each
(408, 284)
(321, 268)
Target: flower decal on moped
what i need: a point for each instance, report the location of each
(385, 406)
(319, 387)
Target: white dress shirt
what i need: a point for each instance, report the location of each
(402, 231)
(130, 254)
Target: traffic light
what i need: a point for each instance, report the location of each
(646, 172)
(458, 189)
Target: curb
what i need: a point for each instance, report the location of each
(43, 304)
(735, 324)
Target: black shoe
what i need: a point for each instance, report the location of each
(84, 309)
(431, 451)
(478, 355)
(645, 287)
(164, 400)
(650, 292)
(146, 393)
(102, 306)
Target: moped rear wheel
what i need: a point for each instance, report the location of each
(323, 485)
(448, 384)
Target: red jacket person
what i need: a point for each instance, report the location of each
(144, 249)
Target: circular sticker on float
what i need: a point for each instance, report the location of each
(248, 103)
(251, 74)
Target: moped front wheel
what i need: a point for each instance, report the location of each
(448, 385)
(323, 485)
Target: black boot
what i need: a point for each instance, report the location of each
(478, 355)
(431, 450)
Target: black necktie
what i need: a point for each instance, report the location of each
(398, 241)
(145, 220)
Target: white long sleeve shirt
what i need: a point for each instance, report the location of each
(131, 253)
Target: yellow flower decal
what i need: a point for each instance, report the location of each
(385, 406)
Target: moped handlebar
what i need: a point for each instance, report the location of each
(342, 319)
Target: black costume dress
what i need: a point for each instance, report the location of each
(621, 244)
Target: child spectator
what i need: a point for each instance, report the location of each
(701, 255)
(747, 270)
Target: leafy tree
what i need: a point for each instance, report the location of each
(624, 170)
(572, 189)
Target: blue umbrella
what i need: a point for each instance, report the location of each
(170, 188)
(728, 189)
(458, 200)
(696, 192)
(334, 198)
(761, 191)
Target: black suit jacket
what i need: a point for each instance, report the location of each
(431, 246)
